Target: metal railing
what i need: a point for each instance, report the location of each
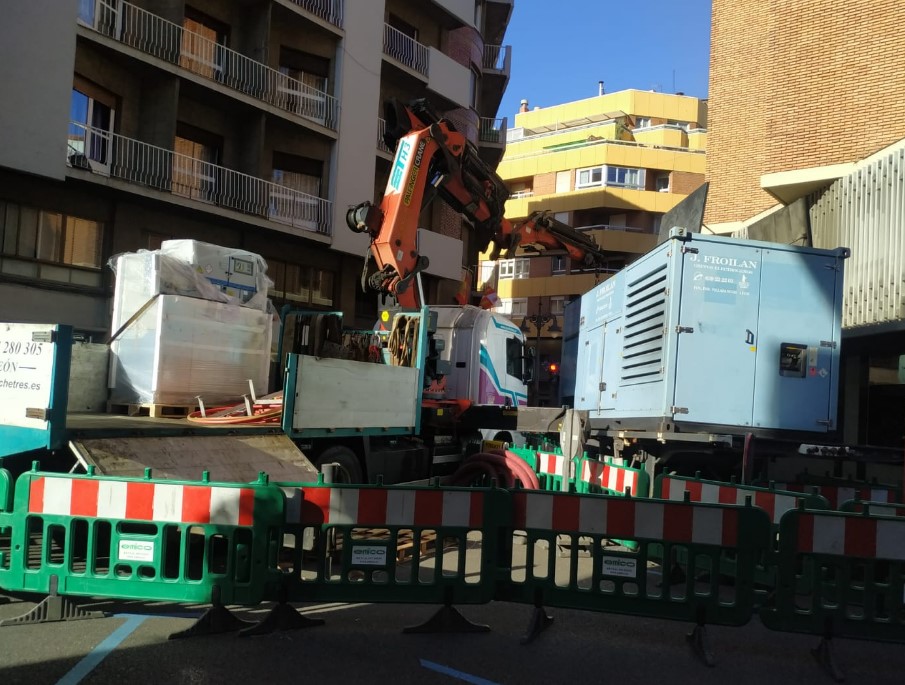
(496, 57)
(328, 10)
(492, 130)
(113, 155)
(381, 129)
(156, 36)
(606, 141)
(520, 194)
(405, 49)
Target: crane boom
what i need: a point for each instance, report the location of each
(433, 158)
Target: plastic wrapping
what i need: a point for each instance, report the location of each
(180, 347)
(190, 268)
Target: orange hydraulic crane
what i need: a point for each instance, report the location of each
(433, 158)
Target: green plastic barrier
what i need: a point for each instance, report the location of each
(139, 538)
(837, 491)
(774, 502)
(633, 582)
(883, 508)
(609, 478)
(859, 561)
(399, 544)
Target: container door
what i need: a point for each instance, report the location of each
(798, 344)
(590, 361)
(717, 333)
(611, 367)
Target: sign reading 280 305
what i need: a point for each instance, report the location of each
(26, 373)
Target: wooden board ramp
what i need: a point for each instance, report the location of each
(155, 411)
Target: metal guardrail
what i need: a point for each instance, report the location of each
(492, 130)
(496, 57)
(328, 10)
(405, 49)
(156, 36)
(110, 154)
(381, 129)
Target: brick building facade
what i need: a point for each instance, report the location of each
(795, 85)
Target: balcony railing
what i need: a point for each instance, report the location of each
(116, 156)
(492, 130)
(156, 36)
(405, 49)
(496, 57)
(381, 129)
(328, 10)
(518, 194)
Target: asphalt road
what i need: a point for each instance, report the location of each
(364, 643)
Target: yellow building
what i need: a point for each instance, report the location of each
(611, 165)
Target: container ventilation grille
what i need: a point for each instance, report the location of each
(644, 330)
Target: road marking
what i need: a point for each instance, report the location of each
(446, 670)
(99, 653)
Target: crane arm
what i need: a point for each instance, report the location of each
(433, 158)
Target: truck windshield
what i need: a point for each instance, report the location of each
(514, 356)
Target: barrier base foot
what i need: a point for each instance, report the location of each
(826, 657)
(217, 619)
(281, 617)
(51, 609)
(447, 620)
(540, 621)
(700, 643)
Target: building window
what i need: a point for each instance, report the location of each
(300, 285)
(517, 306)
(474, 88)
(556, 305)
(559, 264)
(304, 85)
(203, 43)
(194, 174)
(514, 268)
(662, 182)
(642, 122)
(43, 245)
(296, 195)
(620, 177)
(91, 122)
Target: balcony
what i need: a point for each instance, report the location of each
(406, 50)
(496, 19)
(497, 59)
(115, 156)
(329, 10)
(493, 131)
(155, 36)
(381, 145)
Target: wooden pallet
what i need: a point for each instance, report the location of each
(405, 543)
(155, 411)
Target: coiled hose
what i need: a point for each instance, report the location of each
(503, 465)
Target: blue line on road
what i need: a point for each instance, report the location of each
(446, 670)
(99, 653)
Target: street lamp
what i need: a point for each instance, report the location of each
(539, 321)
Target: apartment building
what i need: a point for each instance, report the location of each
(248, 124)
(610, 165)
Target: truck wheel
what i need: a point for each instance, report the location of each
(349, 470)
(504, 436)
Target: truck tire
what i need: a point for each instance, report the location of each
(349, 470)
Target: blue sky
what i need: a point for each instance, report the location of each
(559, 56)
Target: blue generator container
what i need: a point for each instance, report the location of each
(711, 333)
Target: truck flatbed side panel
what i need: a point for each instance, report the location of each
(232, 458)
(337, 394)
